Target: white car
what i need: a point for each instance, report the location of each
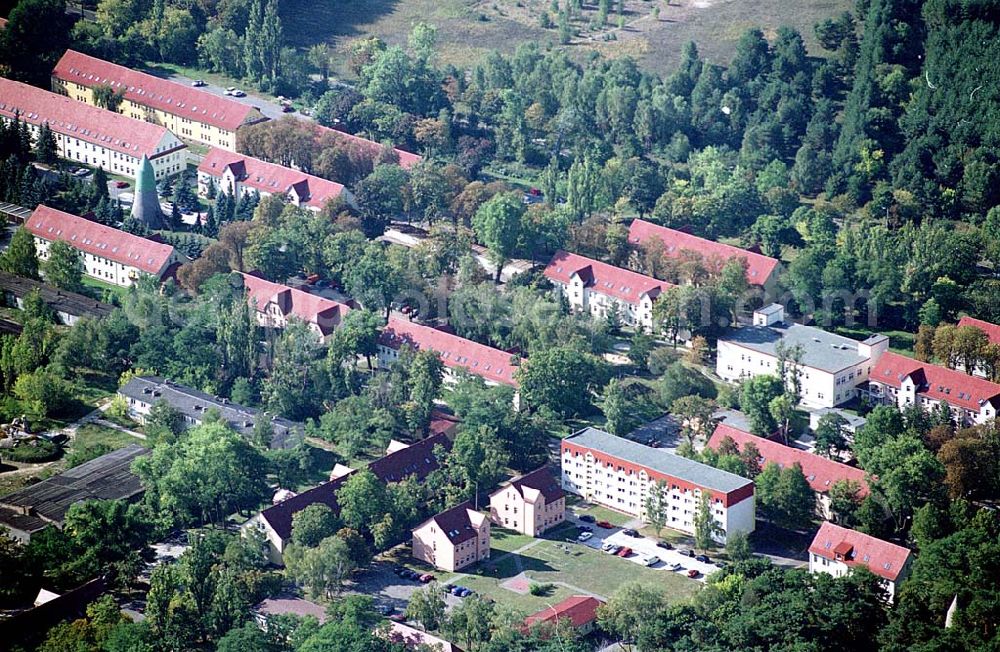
(238, 93)
(584, 536)
(675, 567)
(653, 561)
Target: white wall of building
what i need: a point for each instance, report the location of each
(587, 299)
(98, 267)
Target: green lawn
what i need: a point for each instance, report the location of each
(602, 513)
(92, 434)
(576, 565)
(103, 287)
(503, 541)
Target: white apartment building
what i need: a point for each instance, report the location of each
(108, 255)
(902, 381)
(91, 135)
(831, 366)
(599, 288)
(837, 550)
(619, 473)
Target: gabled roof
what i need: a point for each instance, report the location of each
(194, 403)
(603, 278)
(406, 159)
(531, 485)
(819, 471)
(456, 352)
(578, 609)
(99, 240)
(155, 92)
(413, 638)
(270, 178)
(416, 460)
(856, 549)
(938, 383)
(310, 308)
(66, 116)
(459, 523)
(759, 266)
(992, 330)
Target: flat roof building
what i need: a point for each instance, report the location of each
(34, 508)
(91, 135)
(619, 473)
(830, 366)
(189, 112)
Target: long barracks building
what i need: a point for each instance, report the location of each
(619, 473)
(93, 136)
(188, 112)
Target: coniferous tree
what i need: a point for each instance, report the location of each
(45, 146)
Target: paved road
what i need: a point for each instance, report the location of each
(269, 108)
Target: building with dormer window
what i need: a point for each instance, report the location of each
(275, 304)
(599, 289)
(530, 504)
(619, 473)
(239, 175)
(455, 538)
(837, 551)
(904, 381)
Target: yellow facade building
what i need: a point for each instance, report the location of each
(188, 112)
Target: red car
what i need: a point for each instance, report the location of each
(693, 573)
(605, 525)
(625, 552)
(426, 577)
(121, 184)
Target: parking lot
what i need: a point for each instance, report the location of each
(644, 548)
(390, 590)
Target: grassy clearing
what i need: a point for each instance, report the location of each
(100, 287)
(901, 342)
(602, 513)
(468, 29)
(503, 541)
(92, 434)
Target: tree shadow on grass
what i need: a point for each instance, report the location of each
(307, 22)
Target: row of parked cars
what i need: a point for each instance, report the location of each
(409, 574)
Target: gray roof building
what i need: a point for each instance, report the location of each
(659, 460)
(69, 306)
(108, 477)
(820, 349)
(194, 404)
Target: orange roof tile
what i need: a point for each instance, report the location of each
(992, 330)
(606, 279)
(310, 308)
(79, 120)
(759, 267)
(578, 609)
(148, 90)
(99, 240)
(856, 549)
(938, 383)
(270, 178)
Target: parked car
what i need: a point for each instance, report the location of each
(238, 93)
(721, 564)
(465, 593)
(427, 577)
(605, 525)
(612, 549)
(384, 609)
(583, 536)
(631, 533)
(448, 587)
(585, 528)
(653, 561)
(198, 83)
(675, 567)
(704, 559)
(665, 545)
(412, 574)
(587, 518)
(624, 552)
(693, 573)
(686, 552)
(121, 184)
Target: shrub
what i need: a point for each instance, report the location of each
(538, 590)
(33, 450)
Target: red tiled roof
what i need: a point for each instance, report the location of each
(601, 277)
(992, 330)
(820, 472)
(759, 266)
(310, 308)
(856, 549)
(148, 90)
(406, 159)
(79, 120)
(3, 23)
(416, 460)
(579, 609)
(457, 352)
(541, 480)
(456, 523)
(99, 240)
(443, 423)
(270, 178)
(938, 383)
